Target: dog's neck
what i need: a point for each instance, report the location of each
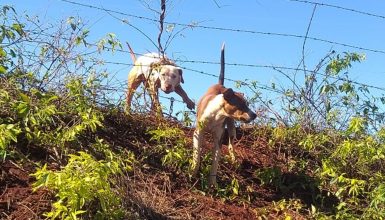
(162, 61)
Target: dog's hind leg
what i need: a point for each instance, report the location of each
(197, 151)
(231, 130)
(216, 157)
(133, 83)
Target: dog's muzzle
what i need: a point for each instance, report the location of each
(168, 89)
(250, 117)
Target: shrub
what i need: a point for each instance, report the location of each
(354, 173)
(82, 183)
(172, 142)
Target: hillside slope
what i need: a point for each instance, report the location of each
(155, 190)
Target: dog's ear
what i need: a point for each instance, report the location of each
(228, 94)
(181, 75)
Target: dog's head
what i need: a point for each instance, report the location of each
(169, 76)
(236, 106)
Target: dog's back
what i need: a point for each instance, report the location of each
(143, 64)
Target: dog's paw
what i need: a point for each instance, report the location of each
(194, 169)
(190, 104)
(212, 181)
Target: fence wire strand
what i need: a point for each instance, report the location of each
(194, 25)
(242, 82)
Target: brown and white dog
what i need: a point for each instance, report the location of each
(155, 71)
(218, 108)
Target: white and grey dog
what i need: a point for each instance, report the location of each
(156, 71)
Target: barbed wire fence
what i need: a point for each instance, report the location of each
(225, 29)
(279, 69)
(305, 37)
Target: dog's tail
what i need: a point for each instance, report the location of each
(222, 71)
(132, 54)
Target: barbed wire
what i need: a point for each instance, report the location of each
(340, 7)
(195, 25)
(241, 82)
(264, 87)
(251, 86)
(261, 86)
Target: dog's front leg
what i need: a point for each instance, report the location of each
(190, 104)
(216, 157)
(231, 130)
(197, 150)
(155, 105)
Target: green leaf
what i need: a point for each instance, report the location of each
(78, 40)
(22, 109)
(2, 70)
(18, 28)
(235, 190)
(52, 98)
(24, 97)
(10, 34)
(170, 27)
(71, 22)
(12, 52)
(2, 52)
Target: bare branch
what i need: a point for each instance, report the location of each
(306, 36)
(161, 22)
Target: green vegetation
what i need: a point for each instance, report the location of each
(174, 146)
(82, 182)
(54, 120)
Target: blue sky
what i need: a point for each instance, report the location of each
(203, 44)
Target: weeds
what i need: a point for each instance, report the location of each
(81, 184)
(173, 144)
(282, 209)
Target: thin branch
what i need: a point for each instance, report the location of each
(161, 22)
(305, 39)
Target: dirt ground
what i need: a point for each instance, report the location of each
(160, 193)
(17, 199)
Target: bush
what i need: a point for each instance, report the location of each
(173, 144)
(354, 173)
(84, 182)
